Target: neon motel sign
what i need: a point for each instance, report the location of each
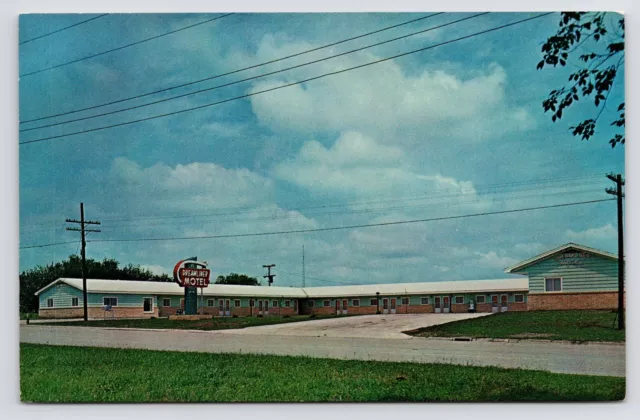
(196, 275)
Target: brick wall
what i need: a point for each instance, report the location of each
(361, 310)
(517, 306)
(585, 300)
(484, 307)
(97, 312)
(459, 308)
(420, 309)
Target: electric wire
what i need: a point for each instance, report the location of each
(285, 85)
(63, 29)
(335, 228)
(233, 71)
(123, 46)
(183, 95)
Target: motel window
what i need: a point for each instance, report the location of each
(553, 284)
(74, 302)
(311, 304)
(326, 303)
(110, 301)
(274, 304)
(166, 302)
(374, 302)
(459, 299)
(49, 303)
(287, 303)
(519, 298)
(355, 302)
(480, 299)
(405, 301)
(424, 301)
(236, 303)
(211, 302)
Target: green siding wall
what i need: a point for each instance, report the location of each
(124, 300)
(61, 294)
(590, 274)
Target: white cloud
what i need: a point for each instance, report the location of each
(383, 98)
(593, 234)
(357, 164)
(155, 269)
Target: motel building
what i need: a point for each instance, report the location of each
(571, 276)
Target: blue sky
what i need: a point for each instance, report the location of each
(455, 130)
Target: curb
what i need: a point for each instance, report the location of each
(524, 340)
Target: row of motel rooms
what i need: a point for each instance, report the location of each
(571, 276)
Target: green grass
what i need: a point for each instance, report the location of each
(24, 315)
(548, 325)
(204, 324)
(86, 374)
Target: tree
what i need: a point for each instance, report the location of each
(238, 279)
(595, 76)
(36, 278)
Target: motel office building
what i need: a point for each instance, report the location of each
(568, 277)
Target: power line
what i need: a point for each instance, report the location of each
(47, 245)
(233, 71)
(123, 47)
(285, 85)
(63, 29)
(183, 95)
(483, 188)
(377, 210)
(402, 222)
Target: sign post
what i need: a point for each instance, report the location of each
(191, 274)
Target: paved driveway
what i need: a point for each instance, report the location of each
(365, 326)
(588, 359)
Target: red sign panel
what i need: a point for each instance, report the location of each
(194, 277)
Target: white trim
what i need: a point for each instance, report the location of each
(287, 303)
(455, 298)
(209, 301)
(77, 305)
(274, 303)
(354, 304)
(152, 306)
(239, 305)
(553, 278)
(402, 301)
(422, 300)
(163, 301)
(484, 299)
(518, 294)
(562, 248)
(53, 303)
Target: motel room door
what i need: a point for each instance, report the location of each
(437, 304)
(148, 304)
(221, 307)
(385, 306)
(266, 308)
(446, 304)
(227, 307)
(504, 305)
(295, 306)
(345, 306)
(494, 304)
(259, 307)
(393, 305)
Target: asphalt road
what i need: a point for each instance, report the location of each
(586, 359)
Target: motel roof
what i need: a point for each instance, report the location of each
(558, 250)
(171, 288)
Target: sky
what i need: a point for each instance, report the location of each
(450, 131)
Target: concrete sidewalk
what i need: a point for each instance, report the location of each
(584, 359)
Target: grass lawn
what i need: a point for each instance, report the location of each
(30, 315)
(204, 324)
(549, 325)
(86, 374)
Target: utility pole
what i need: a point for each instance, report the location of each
(83, 231)
(269, 275)
(303, 275)
(619, 196)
